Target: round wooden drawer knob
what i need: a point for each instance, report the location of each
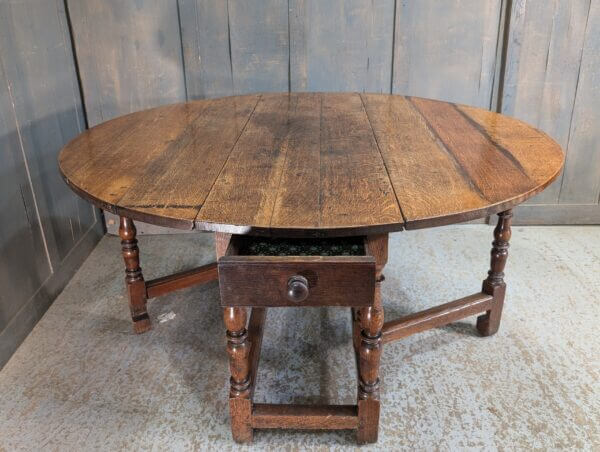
(297, 289)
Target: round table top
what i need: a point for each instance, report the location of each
(310, 164)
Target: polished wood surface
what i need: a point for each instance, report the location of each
(134, 280)
(181, 280)
(494, 284)
(264, 280)
(369, 348)
(305, 417)
(139, 290)
(437, 316)
(310, 164)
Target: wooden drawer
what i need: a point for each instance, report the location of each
(297, 272)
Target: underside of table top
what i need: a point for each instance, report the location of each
(310, 164)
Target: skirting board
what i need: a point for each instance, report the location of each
(31, 312)
(556, 214)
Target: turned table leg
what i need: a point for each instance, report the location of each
(369, 350)
(238, 348)
(494, 285)
(136, 287)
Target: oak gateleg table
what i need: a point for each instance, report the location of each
(302, 190)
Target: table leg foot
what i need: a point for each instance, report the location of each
(488, 323)
(241, 420)
(136, 286)
(368, 421)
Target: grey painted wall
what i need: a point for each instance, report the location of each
(537, 60)
(45, 230)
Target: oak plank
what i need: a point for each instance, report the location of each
(428, 181)
(169, 186)
(494, 171)
(538, 154)
(355, 186)
(109, 171)
(245, 193)
(297, 203)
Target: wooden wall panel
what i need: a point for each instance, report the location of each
(341, 45)
(205, 41)
(542, 68)
(581, 181)
(129, 55)
(23, 261)
(259, 37)
(45, 230)
(48, 112)
(447, 50)
(130, 58)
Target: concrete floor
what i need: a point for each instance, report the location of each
(82, 380)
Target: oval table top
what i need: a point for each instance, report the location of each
(310, 164)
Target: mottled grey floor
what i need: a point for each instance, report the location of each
(82, 380)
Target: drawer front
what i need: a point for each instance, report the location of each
(296, 280)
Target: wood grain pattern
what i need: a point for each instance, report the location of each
(369, 348)
(494, 172)
(355, 186)
(263, 280)
(305, 417)
(436, 316)
(187, 278)
(246, 190)
(310, 164)
(535, 151)
(427, 179)
(170, 187)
